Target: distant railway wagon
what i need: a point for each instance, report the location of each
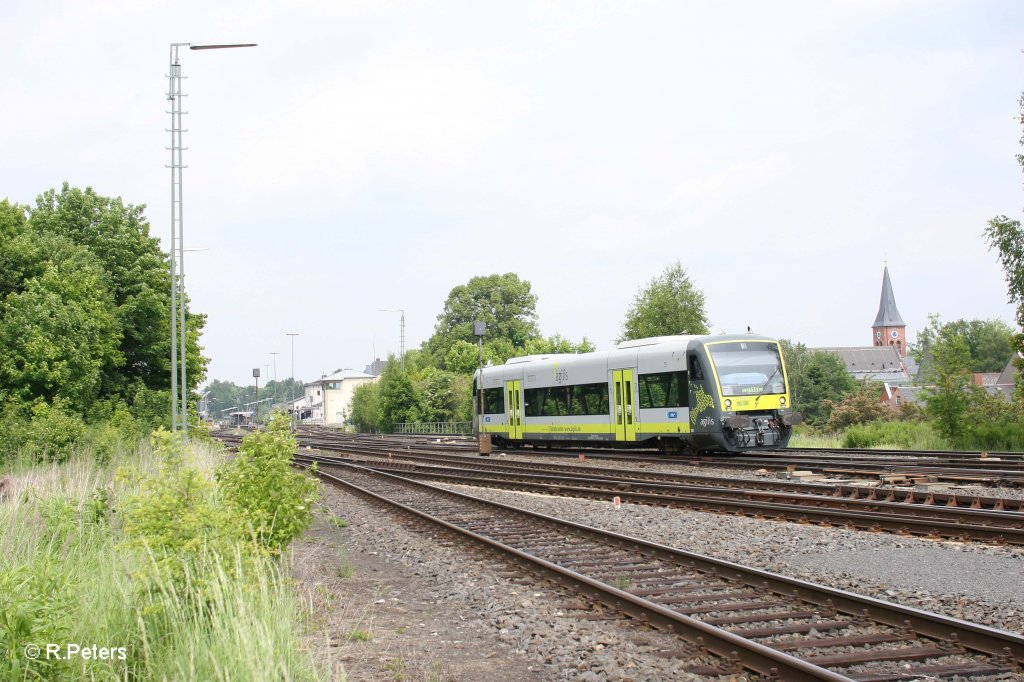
(695, 393)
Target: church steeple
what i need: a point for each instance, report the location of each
(889, 327)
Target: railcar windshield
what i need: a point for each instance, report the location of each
(748, 367)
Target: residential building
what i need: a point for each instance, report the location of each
(329, 399)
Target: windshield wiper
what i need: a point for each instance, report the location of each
(765, 387)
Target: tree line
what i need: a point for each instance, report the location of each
(221, 396)
(436, 384)
(948, 355)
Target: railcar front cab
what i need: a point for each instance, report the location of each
(739, 395)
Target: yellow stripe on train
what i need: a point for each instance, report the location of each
(569, 429)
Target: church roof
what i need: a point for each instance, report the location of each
(874, 363)
(888, 316)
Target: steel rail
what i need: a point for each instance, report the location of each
(1002, 646)
(932, 521)
(857, 495)
(752, 655)
(949, 456)
(843, 491)
(975, 470)
(841, 461)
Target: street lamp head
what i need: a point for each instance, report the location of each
(222, 46)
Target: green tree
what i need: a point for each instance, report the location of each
(57, 323)
(118, 235)
(462, 357)
(365, 414)
(12, 225)
(221, 395)
(504, 302)
(989, 342)
(444, 396)
(557, 344)
(1007, 237)
(669, 304)
(948, 379)
(817, 380)
(398, 399)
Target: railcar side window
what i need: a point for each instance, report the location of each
(556, 401)
(562, 401)
(665, 389)
(534, 399)
(494, 401)
(589, 399)
(696, 373)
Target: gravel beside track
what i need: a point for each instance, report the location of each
(436, 612)
(978, 583)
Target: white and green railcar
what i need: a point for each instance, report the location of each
(700, 393)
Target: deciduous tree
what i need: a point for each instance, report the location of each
(817, 379)
(504, 302)
(398, 400)
(1007, 237)
(989, 342)
(669, 304)
(860, 407)
(58, 328)
(948, 378)
(117, 234)
(365, 414)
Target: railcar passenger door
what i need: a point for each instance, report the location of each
(624, 416)
(514, 408)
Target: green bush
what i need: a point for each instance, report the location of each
(860, 407)
(994, 436)
(14, 420)
(894, 434)
(35, 603)
(176, 517)
(274, 501)
(53, 432)
(68, 575)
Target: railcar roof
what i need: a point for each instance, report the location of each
(642, 346)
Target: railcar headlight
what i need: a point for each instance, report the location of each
(728, 404)
(782, 401)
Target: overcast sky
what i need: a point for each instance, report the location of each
(373, 155)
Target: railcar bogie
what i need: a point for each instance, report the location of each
(677, 393)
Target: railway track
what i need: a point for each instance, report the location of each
(775, 626)
(839, 490)
(935, 521)
(934, 515)
(997, 469)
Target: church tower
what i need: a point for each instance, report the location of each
(889, 328)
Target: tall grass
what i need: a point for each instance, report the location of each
(806, 438)
(66, 578)
(895, 435)
(912, 435)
